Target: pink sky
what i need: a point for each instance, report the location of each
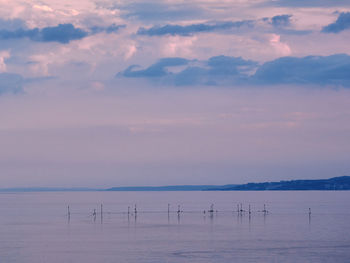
(221, 110)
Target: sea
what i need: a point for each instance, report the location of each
(280, 226)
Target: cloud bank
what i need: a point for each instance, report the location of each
(309, 3)
(158, 69)
(314, 70)
(319, 70)
(194, 28)
(211, 72)
(342, 23)
(281, 20)
(62, 33)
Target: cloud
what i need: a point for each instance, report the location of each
(10, 83)
(109, 29)
(342, 23)
(3, 56)
(62, 33)
(43, 8)
(224, 65)
(221, 70)
(189, 30)
(320, 70)
(278, 23)
(309, 3)
(281, 20)
(281, 47)
(158, 69)
(215, 70)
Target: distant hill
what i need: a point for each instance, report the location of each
(48, 189)
(336, 183)
(164, 188)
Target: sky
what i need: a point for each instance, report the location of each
(124, 93)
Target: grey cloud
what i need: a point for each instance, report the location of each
(10, 83)
(282, 24)
(320, 70)
(279, 23)
(342, 23)
(62, 33)
(221, 70)
(158, 69)
(214, 71)
(194, 28)
(224, 65)
(281, 20)
(308, 3)
(109, 29)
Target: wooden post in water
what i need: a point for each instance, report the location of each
(265, 211)
(249, 210)
(68, 214)
(94, 215)
(211, 208)
(128, 210)
(168, 208)
(135, 210)
(309, 215)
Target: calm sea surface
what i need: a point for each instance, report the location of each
(35, 227)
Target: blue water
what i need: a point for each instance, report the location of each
(35, 227)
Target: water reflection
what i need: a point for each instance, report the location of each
(223, 235)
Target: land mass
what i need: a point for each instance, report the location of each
(164, 188)
(49, 189)
(335, 183)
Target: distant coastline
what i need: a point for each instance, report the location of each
(335, 184)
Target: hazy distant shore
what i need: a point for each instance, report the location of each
(335, 183)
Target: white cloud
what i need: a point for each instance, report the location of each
(43, 8)
(281, 48)
(178, 46)
(3, 56)
(131, 50)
